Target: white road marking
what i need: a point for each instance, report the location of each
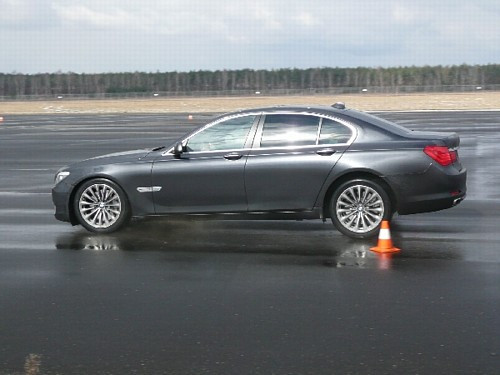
(29, 169)
(9, 193)
(22, 211)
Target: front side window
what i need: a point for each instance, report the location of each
(289, 130)
(333, 132)
(226, 135)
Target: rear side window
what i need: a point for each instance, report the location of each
(289, 130)
(333, 132)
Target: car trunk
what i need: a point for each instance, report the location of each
(450, 140)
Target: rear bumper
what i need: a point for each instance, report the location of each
(432, 203)
(437, 189)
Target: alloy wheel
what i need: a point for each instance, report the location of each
(359, 208)
(100, 206)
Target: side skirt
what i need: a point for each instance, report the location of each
(256, 215)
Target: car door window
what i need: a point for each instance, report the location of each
(333, 132)
(289, 130)
(230, 134)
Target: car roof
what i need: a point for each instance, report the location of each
(316, 109)
(345, 113)
(290, 109)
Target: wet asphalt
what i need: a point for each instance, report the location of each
(242, 297)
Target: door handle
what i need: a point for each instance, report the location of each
(326, 152)
(233, 156)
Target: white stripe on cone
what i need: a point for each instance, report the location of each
(385, 234)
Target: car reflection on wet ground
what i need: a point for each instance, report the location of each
(307, 239)
(199, 296)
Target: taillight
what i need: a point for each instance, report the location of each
(442, 154)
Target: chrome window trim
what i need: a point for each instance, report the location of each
(354, 133)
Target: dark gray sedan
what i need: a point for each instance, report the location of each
(272, 163)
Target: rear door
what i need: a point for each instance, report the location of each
(291, 158)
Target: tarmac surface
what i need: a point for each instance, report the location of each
(241, 297)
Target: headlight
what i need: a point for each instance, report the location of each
(60, 176)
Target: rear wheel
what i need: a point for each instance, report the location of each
(358, 207)
(101, 206)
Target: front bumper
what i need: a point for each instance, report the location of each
(60, 198)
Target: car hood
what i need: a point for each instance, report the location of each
(117, 157)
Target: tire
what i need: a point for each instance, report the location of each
(101, 206)
(358, 207)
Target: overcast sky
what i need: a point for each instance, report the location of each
(147, 35)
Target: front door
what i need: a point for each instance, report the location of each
(209, 175)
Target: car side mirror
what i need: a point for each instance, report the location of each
(178, 149)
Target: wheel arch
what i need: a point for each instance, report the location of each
(353, 175)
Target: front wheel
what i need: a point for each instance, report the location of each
(101, 206)
(358, 207)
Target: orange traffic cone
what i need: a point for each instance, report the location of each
(384, 240)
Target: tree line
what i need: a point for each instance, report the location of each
(47, 84)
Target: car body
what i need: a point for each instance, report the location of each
(272, 163)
